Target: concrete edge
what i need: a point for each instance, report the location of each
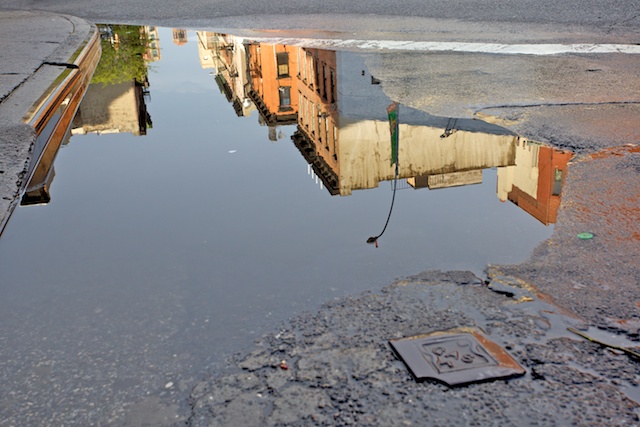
(33, 111)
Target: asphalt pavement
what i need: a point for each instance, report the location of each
(518, 19)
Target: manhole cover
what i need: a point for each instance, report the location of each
(460, 356)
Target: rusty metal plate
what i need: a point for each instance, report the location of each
(455, 357)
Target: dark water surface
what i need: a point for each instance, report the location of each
(159, 254)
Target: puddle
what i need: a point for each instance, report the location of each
(215, 186)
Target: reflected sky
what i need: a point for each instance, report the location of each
(163, 251)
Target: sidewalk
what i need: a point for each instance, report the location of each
(45, 61)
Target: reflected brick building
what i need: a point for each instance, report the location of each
(317, 135)
(273, 88)
(535, 182)
(343, 132)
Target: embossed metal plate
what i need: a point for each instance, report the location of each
(455, 357)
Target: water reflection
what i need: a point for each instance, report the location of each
(161, 252)
(339, 110)
(116, 100)
(115, 89)
(342, 131)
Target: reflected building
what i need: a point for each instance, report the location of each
(318, 118)
(254, 76)
(343, 132)
(227, 55)
(116, 100)
(343, 129)
(206, 50)
(272, 71)
(179, 36)
(535, 182)
(153, 52)
(114, 108)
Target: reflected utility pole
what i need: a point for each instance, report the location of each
(394, 127)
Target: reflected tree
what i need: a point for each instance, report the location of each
(124, 49)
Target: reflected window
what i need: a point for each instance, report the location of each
(283, 64)
(301, 105)
(285, 97)
(326, 133)
(307, 69)
(319, 118)
(324, 81)
(557, 182)
(316, 73)
(332, 86)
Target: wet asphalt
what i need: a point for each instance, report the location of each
(341, 369)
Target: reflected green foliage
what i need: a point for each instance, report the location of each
(123, 50)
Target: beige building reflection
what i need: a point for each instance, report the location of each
(207, 50)
(349, 148)
(118, 108)
(153, 52)
(424, 158)
(179, 36)
(227, 56)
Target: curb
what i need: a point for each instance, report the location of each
(30, 137)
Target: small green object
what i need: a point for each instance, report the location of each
(585, 236)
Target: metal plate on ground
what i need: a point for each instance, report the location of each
(455, 357)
